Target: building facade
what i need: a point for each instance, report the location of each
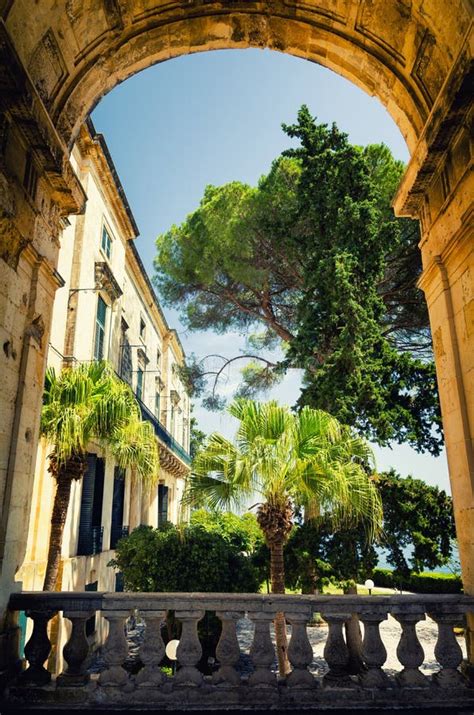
(106, 309)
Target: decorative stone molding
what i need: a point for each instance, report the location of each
(105, 280)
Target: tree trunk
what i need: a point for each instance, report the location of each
(354, 640)
(277, 573)
(64, 474)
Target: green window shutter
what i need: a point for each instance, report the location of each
(100, 321)
(162, 504)
(140, 383)
(90, 521)
(118, 499)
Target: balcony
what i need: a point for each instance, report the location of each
(312, 684)
(163, 434)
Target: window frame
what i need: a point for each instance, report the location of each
(103, 327)
(106, 230)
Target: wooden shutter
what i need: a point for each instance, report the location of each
(117, 506)
(84, 546)
(162, 504)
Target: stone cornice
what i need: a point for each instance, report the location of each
(446, 117)
(21, 102)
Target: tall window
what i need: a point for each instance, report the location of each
(142, 329)
(157, 404)
(140, 383)
(101, 317)
(162, 504)
(172, 419)
(90, 522)
(106, 242)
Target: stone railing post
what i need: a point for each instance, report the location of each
(228, 650)
(300, 652)
(115, 650)
(336, 653)
(447, 651)
(262, 651)
(189, 650)
(409, 650)
(374, 652)
(76, 650)
(37, 650)
(152, 651)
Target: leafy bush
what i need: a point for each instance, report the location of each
(187, 559)
(242, 532)
(418, 582)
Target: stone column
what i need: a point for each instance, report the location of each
(189, 650)
(300, 652)
(336, 653)
(409, 650)
(447, 651)
(37, 650)
(374, 652)
(76, 650)
(115, 650)
(438, 189)
(152, 650)
(262, 651)
(228, 650)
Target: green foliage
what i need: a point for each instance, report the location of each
(197, 438)
(418, 516)
(315, 254)
(351, 367)
(187, 559)
(281, 456)
(89, 402)
(317, 553)
(418, 582)
(241, 532)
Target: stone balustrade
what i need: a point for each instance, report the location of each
(227, 688)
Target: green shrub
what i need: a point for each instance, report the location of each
(188, 559)
(418, 582)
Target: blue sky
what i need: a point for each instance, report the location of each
(216, 117)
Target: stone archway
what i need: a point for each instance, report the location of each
(57, 61)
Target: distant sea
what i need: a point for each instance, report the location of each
(383, 563)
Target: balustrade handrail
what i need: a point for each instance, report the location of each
(242, 601)
(259, 688)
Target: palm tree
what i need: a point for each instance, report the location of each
(287, 459)
(83, 404)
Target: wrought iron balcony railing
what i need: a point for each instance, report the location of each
(163, 434)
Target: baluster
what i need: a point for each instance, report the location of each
(447, 651)
(37, 650)
(410, 652)
(76, 650)
(336, 653)
(374, 652)
(300, 652)
(228, 649)
(189, 651)
(262, 651)
(115, 650)
(152, 651)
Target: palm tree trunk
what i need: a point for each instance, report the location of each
(58, 519)
(354, 640)
(277, 574)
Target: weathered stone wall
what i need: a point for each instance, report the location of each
(58, 61)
